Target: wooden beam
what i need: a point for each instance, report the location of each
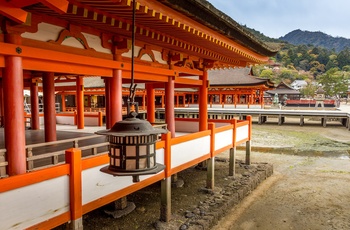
(21, 3)
(60, 6)
(12, 12)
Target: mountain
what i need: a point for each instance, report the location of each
(299, 37)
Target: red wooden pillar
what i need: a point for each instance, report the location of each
(13, 111)
(108, 104)
(203, 102)
(63, 102)
(89, 101)
(49, 107)
(115, 97)
(169, 105)
(2, 100)
(34, 105)
(80, 102)
(116, 93)
(211, 100)
(151, 107)
(261, 98)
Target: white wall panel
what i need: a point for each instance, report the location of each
(190, 150)
(34, 204)
(242, 133)
(223, 139)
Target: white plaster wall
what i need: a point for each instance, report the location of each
(47, 32)
(242, 133)
(97, 184)
(33, 204)
(190, 150)
(223, 139)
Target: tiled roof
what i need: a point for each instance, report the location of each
(283, 88)
(235, 77)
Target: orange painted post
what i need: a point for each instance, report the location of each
(73, 158)
(75, 117)
(165, 193)
(49, 107)
(203, 102)
(151, 107)
(211, 160)
(80, 102)
(63, 102)
(167, 153)
(169, 105)
(13, 111)
(177, 100)
(34, 105)
(108, 104)
(100, 119)
(248, 143)
(144, 101)
(233, 150)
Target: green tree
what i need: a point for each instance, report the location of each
(309, 90)
(267, 73)
(334, 82)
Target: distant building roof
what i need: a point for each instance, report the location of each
(283, 88)
(298, 84)
(236, 77)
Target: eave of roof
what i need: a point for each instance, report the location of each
(204, 12)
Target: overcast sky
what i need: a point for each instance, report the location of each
(276, 18)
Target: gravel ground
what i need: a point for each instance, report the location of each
(309, 189)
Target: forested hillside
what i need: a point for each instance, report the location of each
(319, 39)
(310, 61)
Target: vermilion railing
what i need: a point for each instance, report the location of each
(65, 192)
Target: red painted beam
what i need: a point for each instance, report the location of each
(12, 12)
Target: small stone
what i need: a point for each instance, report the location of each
(183, 227)
(141, 209)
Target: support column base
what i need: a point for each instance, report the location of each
(117, 213)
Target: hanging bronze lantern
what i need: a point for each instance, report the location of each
(132, 148)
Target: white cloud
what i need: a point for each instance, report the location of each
(275, 18)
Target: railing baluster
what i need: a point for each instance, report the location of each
(30, 163)
(75, 144)
(55, 159)
(3, 164)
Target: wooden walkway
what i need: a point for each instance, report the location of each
(262, 116)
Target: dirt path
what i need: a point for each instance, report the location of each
(305, 192)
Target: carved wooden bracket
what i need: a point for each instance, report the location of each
(73, 31)
(146, 50)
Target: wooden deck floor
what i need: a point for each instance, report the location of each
(38, 136)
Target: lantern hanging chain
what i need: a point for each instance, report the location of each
(132, 88)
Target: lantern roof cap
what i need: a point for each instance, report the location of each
(132, 126)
